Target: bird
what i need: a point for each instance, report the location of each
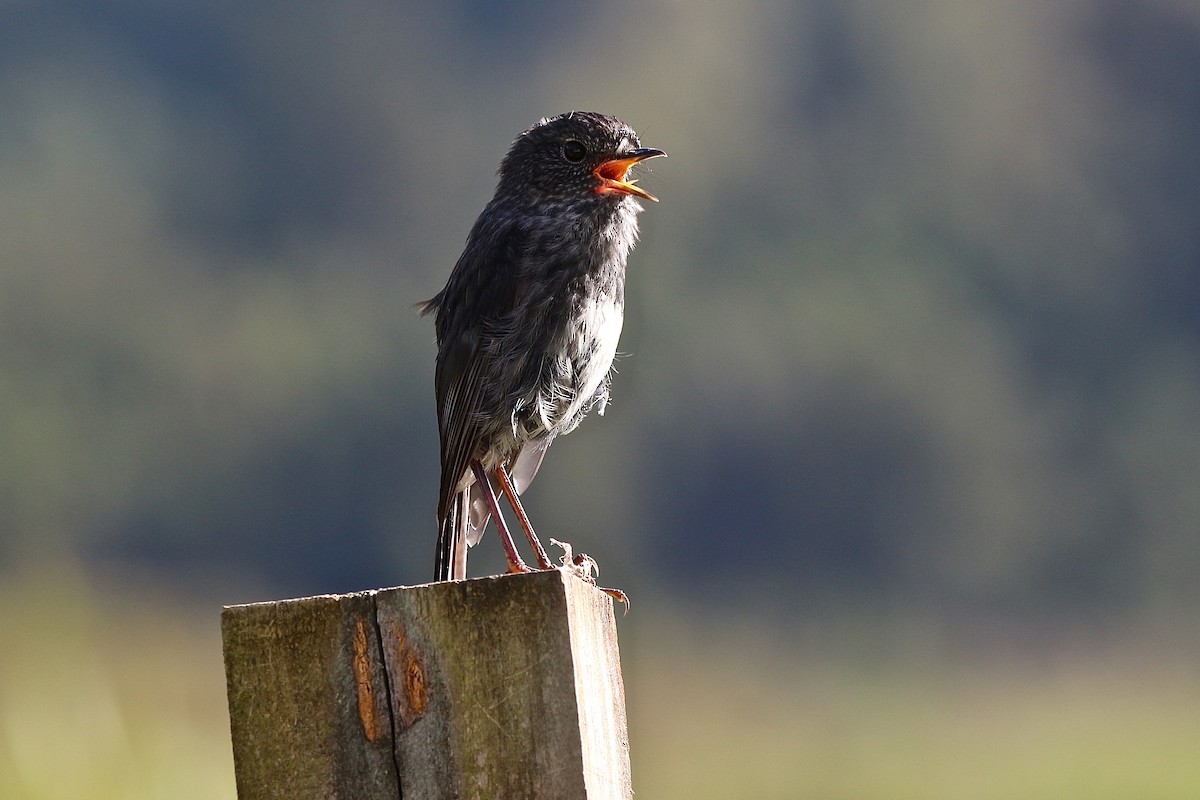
(528, 323)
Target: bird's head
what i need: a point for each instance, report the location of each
(573, 156)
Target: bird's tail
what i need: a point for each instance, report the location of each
(451, 564)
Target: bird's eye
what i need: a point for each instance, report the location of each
(574, 151)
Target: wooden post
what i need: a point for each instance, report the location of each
(505, 687)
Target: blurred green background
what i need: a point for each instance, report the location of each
(902, 470)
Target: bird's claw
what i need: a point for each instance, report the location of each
(617, 595)
(586, 569)
(582, 566)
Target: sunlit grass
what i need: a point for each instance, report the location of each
(117, 691)
(114, 692)
(718, 711)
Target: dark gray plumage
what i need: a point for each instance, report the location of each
(528, 323)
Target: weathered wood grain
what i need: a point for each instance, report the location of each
(308, 700)
(505, 687)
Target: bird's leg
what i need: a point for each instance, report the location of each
(582, 565)
(515, 562)
(510, 492)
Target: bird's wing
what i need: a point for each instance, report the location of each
(459, 390)
(482, 287)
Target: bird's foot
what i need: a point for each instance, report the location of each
(586, 569)
(618, 595)
(581, 566)
(517, 565)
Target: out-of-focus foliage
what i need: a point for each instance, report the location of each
(916, 317)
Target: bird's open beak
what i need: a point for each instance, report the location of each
(611, 174)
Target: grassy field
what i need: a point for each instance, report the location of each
(106, 696)
(764, 720)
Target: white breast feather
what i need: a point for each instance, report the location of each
(600, 324)
(603, 321)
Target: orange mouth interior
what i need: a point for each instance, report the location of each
(612, 179)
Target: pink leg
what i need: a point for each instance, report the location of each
(515, 563)
(513, 500)
(581, 562)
